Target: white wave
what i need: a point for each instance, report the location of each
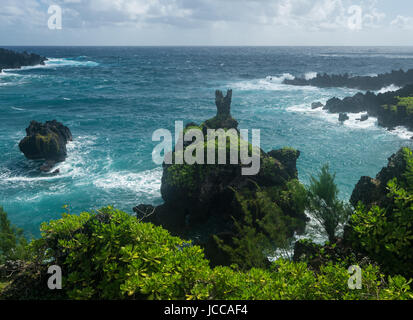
(18, 109)
(353, 122)
(270, 83)
(402, 133)
(310, 75)
(64, 62)
(73, 166)
(148, 182)
(389, 88)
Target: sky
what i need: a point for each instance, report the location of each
(206, 22)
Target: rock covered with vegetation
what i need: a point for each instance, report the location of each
(213, 204)
(398, 78)
(46, 141)
(392, 109)
(382, 225)
(14, 60)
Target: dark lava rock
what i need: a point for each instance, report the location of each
(364, 117)
(374, 191)
(46, 142)
(316, 105)
(14, 60)
(343, 117)
(399, 78)
(385, 106)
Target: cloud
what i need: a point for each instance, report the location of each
(403, 22)
(298, 14)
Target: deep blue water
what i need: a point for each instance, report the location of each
(113, 98)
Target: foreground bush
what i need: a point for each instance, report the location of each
(385, 232)
(111, 255)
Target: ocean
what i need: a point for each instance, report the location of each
(114, 98)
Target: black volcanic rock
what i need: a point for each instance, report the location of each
(46, 142)
(316, 105)
(373, 191)
(223, 119)
(343, 117)
(14, 60)
(399, 78)
(385, 106)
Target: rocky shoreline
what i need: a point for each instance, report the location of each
(398, 78)
(392, 109)
(14, 60)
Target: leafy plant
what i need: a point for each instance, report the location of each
(324, 205)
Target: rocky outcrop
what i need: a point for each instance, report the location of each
(46, 142)
(392, 109)
(201, 200)
(223, 119)
(316, 105)
(14, 60)
(399, 78)
(343, 117)
(373, 191)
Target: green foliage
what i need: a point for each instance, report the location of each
(324, 205)
(13, 245)
(386, 234)
(110, 255)
(263, 228)
(406, 102)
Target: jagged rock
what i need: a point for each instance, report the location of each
(373, 191)
(288, 158)
(13, 60)
(316, 105)
(398, 78)
(343, 117)
(364, 117)
(223, 119)
(46, 141)
(200, 200)
(389, 108)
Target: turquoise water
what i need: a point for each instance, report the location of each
(114, 98)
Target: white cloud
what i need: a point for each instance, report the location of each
(403, 22)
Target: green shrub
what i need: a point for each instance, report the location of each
(324, 205)
(386, 233)
(13, 244)
(111, 255)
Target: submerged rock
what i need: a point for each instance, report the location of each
(46, 142)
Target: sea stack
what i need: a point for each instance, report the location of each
(46, 142)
